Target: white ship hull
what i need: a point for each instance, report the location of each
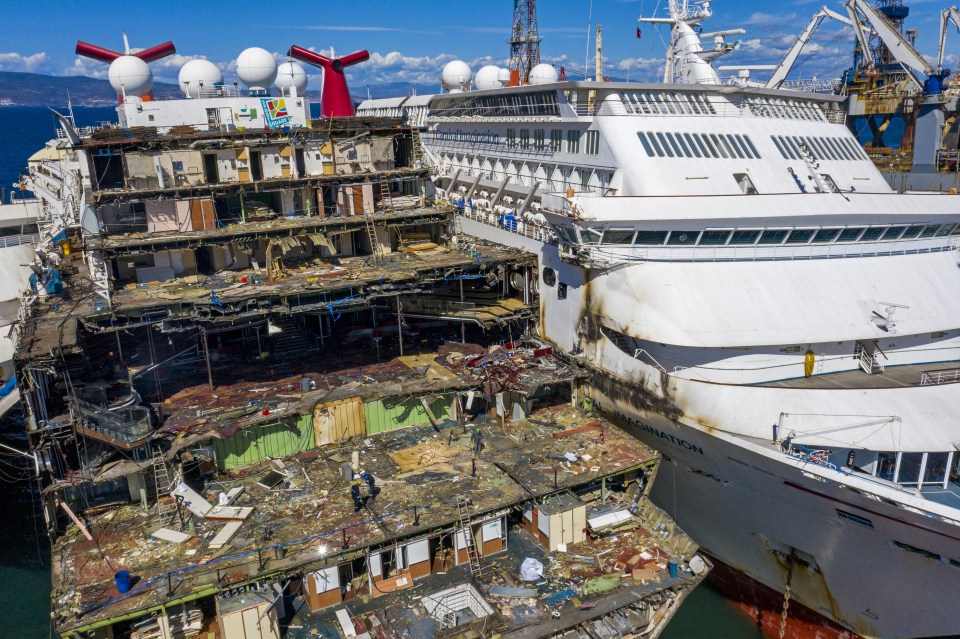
(748, 508)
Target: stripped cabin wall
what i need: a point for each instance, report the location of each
(251, 445)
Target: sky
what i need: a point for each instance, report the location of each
(411, 41)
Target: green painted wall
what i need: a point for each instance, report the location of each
(251, 445)
(381, 419)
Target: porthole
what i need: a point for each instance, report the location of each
(549, 276)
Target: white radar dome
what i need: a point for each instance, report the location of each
(456, 76)
(504, 77)
(256, 68)
(198, 74)
(130, 75)
(291, 75)
(488, 77)
(543, 74)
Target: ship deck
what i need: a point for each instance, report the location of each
(893, 377)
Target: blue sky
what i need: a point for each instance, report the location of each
(412, 40)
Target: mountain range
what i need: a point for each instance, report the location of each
(35, 89)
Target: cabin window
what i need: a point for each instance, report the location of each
(886, 465)
(752, 148)
(909, 468)
(800, 236)
(738, 150)
(773, 237)
(651, 238)
(645, 143)
(589, 236)
(683, 146)
(713, 149)
(656, 145)
(744, 237)
(561, 291)
(549, 276)
(912, 232)
(593, 143)
(716, 143)
(714, 238)
(929, 230)
(872, 233)
(936, 469)
(780, 147)
(573, 141)
(524, 138)
(683, 238)
(944, 230)
(893, 233)
(826, 235)
(556, 139)
(692, 145)
(725, 146)
(618, 236)
(538, 139)
(663, 143)
(850, 235)
(674, 145)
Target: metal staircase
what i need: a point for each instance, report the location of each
(290, 341)
(99, 274)
(869, 358)
(418, 154)
(465, 526)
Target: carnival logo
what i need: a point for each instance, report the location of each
(275, 112)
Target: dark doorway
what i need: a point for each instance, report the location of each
(301, 163)
(210, 172)
(256, 165)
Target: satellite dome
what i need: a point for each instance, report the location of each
(543, 74)
(504, 77)
(456, 76)
(198, 74)
(291, 75)
(130, 75)
(488, 77)
(256, 68)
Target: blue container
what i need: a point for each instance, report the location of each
(672, 565)
(123, 581)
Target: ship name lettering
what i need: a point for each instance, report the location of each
(676, 441)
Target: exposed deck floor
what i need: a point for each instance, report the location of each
(892, 377)
(949, 496)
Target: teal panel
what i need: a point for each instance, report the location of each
(252, 445)
(383, 417)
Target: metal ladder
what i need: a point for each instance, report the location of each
(375, 250)
(163, 481)
(386, 196)
(418, 153)
(464, 525)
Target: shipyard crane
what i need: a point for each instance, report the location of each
(900, 48)
(946, 16)
(786, 65)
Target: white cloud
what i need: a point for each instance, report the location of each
(32, 63)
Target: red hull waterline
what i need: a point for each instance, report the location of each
(764, 606)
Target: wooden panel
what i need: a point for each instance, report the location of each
(201, 215)
(403, 580)
(492, 547)
(338, 421)
(421, 569)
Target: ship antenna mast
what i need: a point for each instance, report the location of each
(524, 41)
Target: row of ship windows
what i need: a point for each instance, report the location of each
(796, 148)
(539, 143)
(696, 145)
(543, 103)
(748, 237)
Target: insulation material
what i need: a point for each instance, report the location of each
(162, 216)
(141, 170)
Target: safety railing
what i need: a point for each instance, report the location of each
(126, 424)
(519, 226)
(16, 240)
(933, 378)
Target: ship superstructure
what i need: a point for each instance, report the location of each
(753, 298)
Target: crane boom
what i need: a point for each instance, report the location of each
(946, 16)
(899, 47)
(786, 65)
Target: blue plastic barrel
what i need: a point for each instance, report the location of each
(123, 581)
(672, 565)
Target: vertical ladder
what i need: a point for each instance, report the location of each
(163, 484)
(464, 525)
(418, 153)
(386, 196)
(375, 250)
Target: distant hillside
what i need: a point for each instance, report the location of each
(34, 89)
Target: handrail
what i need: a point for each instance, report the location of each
(932, 378)
(7, 241)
